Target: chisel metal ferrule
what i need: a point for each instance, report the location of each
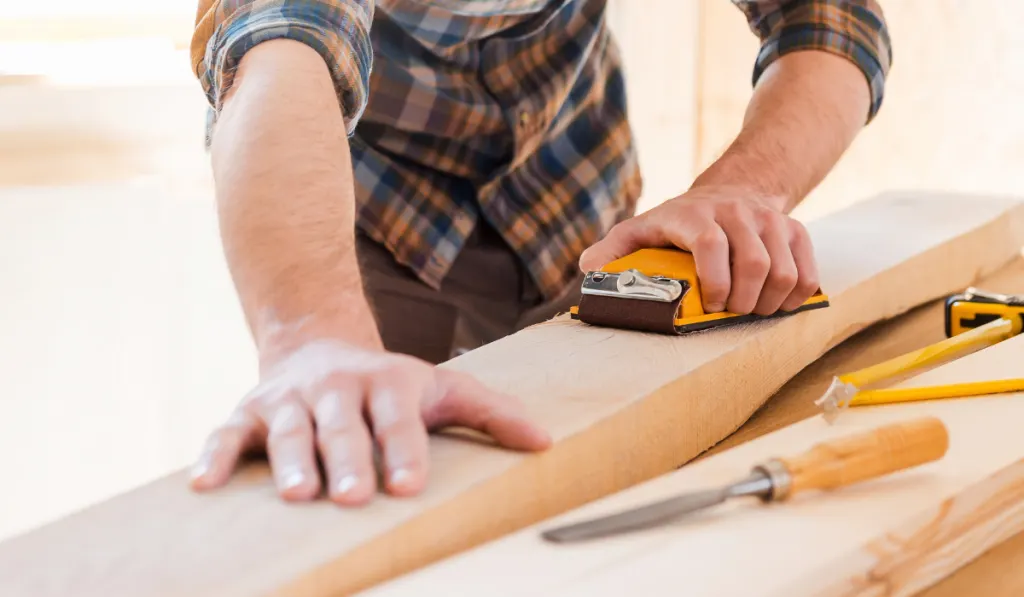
(779, 477)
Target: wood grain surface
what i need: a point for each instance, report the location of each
(998, 572)
(622, 406)
(893, 535)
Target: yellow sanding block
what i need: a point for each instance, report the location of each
(657, 290)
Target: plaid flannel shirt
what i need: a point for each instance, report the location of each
(513, 111)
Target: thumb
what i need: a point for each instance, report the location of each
(624, 238)
(469, 403)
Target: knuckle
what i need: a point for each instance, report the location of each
(623, 228)
(286, 433)
(289, 421)
(329, 428)
(768, 217)
(733, 208)
(714, 291)
(783, 277)
(401, 367)
(754, 262)
(716, 294)
(338, 381)
(225, 438)
(796, 228)
(398, 430)
(709, 240)
(808, 285)
(341, 445)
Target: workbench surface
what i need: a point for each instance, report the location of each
(997, 573)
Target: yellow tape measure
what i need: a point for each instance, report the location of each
(974, 308)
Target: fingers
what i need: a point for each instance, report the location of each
(773, 264)
(223, 449)
(782, 276)
(700, 235)
(345, 448)
(803, 256)
(751, 262)
(624, 238)
(467, 402)
(711, 257)
(394, 407)
(290, 445)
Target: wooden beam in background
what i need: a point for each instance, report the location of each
(623, 407)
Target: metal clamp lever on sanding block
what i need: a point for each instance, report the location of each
(657, 290)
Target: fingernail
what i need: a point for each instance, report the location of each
(400, 476)
(715, 308)
(200, 469)
(291, 479)
(288, 418)
(542, 437)
(347, 483)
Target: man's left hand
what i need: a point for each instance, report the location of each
(750, 256)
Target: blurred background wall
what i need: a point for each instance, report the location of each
(122, 341)
(951, 119)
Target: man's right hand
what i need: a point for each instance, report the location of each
(330, 398)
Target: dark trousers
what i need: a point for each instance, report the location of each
(487, 295)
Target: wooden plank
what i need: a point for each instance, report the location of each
(915, 329)
(894, 536)
(998, 572)
(622, 406)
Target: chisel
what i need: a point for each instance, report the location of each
(825, 466)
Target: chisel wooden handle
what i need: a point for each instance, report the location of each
(860, 457)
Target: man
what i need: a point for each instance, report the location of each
(377, 221)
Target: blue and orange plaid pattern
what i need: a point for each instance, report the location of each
(508, 111)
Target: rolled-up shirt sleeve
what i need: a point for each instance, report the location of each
(853, 29)
(337, 29)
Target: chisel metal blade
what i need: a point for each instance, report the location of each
(639, 518)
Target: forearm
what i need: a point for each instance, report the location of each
(285, 196)
(804, 113)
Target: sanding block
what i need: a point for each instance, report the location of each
(657, 290)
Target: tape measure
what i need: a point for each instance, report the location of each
(974, 308)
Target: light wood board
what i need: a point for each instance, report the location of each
(999, 572)
(889, 536)
(622, 406)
